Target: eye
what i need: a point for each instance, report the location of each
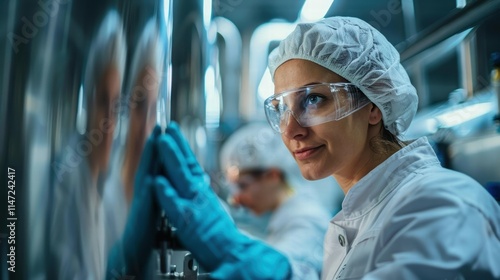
(313, 99)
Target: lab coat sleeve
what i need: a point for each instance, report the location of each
(65, 254)
(435, 235)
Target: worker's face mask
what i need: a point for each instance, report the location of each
(314, 104)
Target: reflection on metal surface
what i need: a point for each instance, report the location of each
(81, 78)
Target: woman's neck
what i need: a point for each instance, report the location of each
(347, 180)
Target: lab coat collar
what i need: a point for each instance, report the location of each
(383, 179)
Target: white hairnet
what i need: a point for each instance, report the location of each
(256, 146)
(148, 53)
(108, 48)
(359, 53)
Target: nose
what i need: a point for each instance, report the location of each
(291, 127)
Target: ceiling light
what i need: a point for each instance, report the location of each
(314, 10)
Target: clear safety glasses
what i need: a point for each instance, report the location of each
(314, 104)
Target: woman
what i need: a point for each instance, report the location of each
(404, 216)
(76, 248)
(139, 117)
(342, 100)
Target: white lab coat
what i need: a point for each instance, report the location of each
(76, 238)
(116, 208)
(409, 218)
(297, 229)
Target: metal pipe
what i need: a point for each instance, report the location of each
(461, 20)
(231, 69)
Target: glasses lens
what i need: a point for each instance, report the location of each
(315, 104)
(273, 114)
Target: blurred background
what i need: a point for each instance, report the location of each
(210, 76)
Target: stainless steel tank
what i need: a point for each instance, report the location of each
(52, 72)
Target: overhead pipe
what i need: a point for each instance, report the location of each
(459, 21)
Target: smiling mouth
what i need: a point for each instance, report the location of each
(306, 153)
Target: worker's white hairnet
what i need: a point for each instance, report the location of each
(148, 53)
(107, 49)
(256, 146)
(359, 53)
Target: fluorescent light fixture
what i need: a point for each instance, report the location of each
(462, 115)
(314, 10)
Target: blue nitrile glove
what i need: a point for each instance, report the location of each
(203, 226)
(131, 256)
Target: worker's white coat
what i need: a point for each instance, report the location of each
(297, 229)
(409, 218)
(76, 248)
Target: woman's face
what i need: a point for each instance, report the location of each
(142, 104)
(336, 148)
(103, 118)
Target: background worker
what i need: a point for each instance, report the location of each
(266, 181)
